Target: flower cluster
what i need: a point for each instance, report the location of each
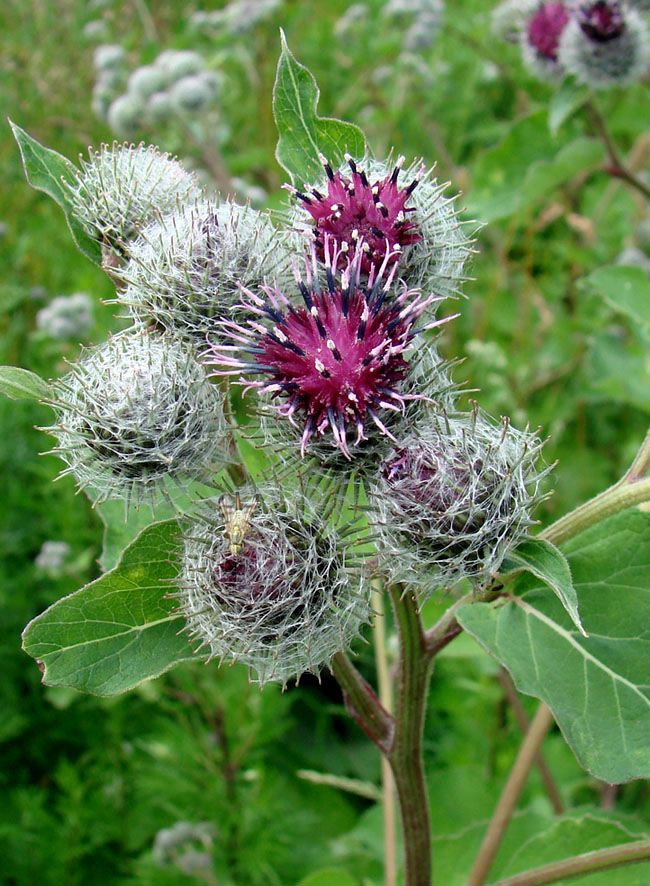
(603, 43)
(329, 319)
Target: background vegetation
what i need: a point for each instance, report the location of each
(94, 790)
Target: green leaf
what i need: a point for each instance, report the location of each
(21, 384)
(525, 167)
(329, 877)
(122, 524)
(119, 630)
(532, 840)
(45, 169)
(574, 835)
(626, 289)
(544, 560)
(597, 687)
(302, 133)
(564, 102)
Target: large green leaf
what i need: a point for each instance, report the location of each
(627, 289)
(531, 841)
(302, 133)
(119, 630)
(565, 101)
(22, 384)
(597, 687)
(544, 560)
(574, 835)
(45, 169)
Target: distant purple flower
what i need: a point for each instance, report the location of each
(602, 21)
(337, 363)
(361, 215)
(545, 28)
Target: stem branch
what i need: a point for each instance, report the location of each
(542, 722)
(617, 167)
(622, 495)
(362, 703)
(599, 860)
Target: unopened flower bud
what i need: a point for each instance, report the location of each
(67, 316)
(120, 189)
(109, 56)
(134, 411)
(146, 80)
(191, 93)
(186, 271)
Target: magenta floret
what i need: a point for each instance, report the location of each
(362, 216)
(545, 28)
(337, 362)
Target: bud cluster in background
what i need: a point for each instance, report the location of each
(603, 43)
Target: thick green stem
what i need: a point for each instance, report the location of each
(632, 489)
(386, 699)
(623, 494)
(405, 756)
(579, 865)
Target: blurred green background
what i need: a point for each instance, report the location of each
(98, 790)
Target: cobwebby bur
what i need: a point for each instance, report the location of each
(605, 44)
(186, 269)
(135, 411)
(291, 596)
(121, 187)
(453, 498)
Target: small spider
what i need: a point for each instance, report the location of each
(236, 520)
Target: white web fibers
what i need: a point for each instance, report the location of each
(283, 605)
(133, 411)
(453, 498)
(186, 269)
(121, 187)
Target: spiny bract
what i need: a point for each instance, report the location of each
(287, 601)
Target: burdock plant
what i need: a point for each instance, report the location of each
(375, 477)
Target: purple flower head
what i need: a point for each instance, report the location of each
(360, 215)
(337, 362)
(545, 28)
(602, 21)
